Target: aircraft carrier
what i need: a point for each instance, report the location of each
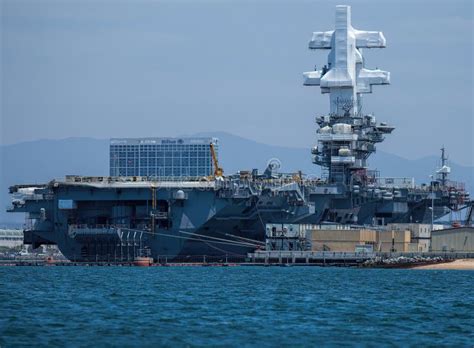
(126, 217)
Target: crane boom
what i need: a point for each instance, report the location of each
(218, 171)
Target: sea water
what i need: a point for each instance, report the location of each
(234, 306)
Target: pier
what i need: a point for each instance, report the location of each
(268, 258)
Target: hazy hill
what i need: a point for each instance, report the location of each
(41, 160)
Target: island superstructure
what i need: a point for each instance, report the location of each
(126, 216)
(346, 137)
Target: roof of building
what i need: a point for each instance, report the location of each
(469, 229)
(164, 141)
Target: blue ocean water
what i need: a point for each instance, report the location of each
(234, 306)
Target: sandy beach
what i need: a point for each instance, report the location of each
(464, 264)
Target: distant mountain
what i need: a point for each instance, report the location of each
(42, 160)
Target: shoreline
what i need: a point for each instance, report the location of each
(298, 259)
(461, 264)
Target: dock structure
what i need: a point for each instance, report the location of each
(282, 257)
(344, 245)
(273, 258)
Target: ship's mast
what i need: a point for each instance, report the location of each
(444, 171)
(346, 136)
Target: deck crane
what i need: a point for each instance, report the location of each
(218, 171)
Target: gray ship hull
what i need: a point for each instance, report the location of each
(118, 221)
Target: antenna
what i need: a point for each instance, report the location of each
(445, 169)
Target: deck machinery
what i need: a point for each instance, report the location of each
(120, 218)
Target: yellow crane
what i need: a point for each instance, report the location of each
(218, 171)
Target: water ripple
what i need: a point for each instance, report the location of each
(241, 306)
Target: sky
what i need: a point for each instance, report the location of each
(169, 68)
